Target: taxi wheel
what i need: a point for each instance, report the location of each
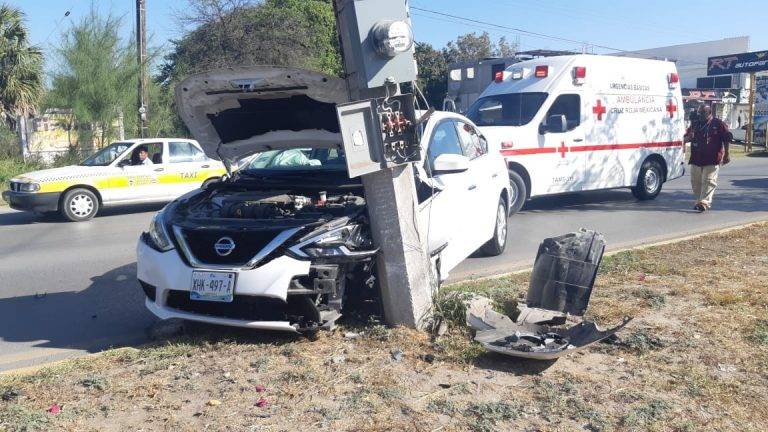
(79, 205)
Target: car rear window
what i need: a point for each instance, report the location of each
(511, 109)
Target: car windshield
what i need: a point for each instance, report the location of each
(297, 159)
(511, 109)
(107, 155)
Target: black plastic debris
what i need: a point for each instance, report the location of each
(560, 287)
(565, 271)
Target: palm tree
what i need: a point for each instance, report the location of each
(21, 68)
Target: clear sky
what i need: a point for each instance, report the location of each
(620, 24)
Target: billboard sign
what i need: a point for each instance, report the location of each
(738, 63)
(761, 99)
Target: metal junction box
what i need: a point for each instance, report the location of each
(361, 21)
(379, 133)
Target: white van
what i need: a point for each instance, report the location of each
(585, 122)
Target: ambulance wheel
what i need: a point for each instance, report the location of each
(649, 181)
(79, 205)
(495, 246)
(517, 192)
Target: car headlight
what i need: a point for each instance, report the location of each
(158, 234)
(28, 187)
(336, 243)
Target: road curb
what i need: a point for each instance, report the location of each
(687, 237)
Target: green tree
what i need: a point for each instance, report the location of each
(21, 68)
(433, 73)
(299, 33)
(95, 76)
(472, 47)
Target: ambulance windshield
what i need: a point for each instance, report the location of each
(510, 109)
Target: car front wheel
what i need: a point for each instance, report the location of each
(495, 246)
(79, 205)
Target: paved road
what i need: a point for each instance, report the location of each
(70, 288)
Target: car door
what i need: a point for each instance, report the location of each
(138, 182)
(483, 174)
(447, 209)
(567, 162)
(188, 168)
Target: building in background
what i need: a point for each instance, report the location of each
(467, 80)
(728, 94)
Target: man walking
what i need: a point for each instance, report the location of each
(709, 137)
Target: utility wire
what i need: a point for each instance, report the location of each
(539, 35)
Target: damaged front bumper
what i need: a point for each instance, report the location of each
(279, 295)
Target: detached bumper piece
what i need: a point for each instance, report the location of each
(559, 291)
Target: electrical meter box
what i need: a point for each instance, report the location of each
(380, 36)
(379, 133)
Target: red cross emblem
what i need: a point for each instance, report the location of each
(599, 109)
(562, 149)
(671, 108)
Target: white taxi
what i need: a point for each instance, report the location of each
(125, 172)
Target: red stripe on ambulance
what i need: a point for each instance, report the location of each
(598, 147)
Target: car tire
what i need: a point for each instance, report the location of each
(496, 245)
(649, 181)
(79, 205)
(518, 192)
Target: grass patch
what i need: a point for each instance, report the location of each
(647, 415)
(654, 299)
(759, 332)
(485, 416)
(677, 366)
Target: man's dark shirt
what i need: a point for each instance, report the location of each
(708, 144)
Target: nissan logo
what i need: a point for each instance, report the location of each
(224, 246)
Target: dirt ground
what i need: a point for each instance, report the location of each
(694, 358)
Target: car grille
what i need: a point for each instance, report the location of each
(247, 244)
(15, 186)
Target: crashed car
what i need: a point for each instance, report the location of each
(284, 243)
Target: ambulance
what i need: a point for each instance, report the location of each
(116, 175)
(585, 122)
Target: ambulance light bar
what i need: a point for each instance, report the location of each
(498, 77)
(541, 71)
(517, 73)
(579, 75)
(673, 79)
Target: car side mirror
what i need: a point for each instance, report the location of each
(448, 163)
(555, 124)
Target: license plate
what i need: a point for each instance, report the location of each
(212, 286)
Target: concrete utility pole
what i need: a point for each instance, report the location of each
(403, 267)
(141, 50)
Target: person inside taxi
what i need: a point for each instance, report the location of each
(144, 158)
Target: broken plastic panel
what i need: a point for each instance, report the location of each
(561, 284)
(565, 271)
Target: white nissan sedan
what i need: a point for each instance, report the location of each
(284, 243)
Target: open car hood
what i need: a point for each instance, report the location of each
(236, 112)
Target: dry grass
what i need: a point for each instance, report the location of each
(694, 358)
